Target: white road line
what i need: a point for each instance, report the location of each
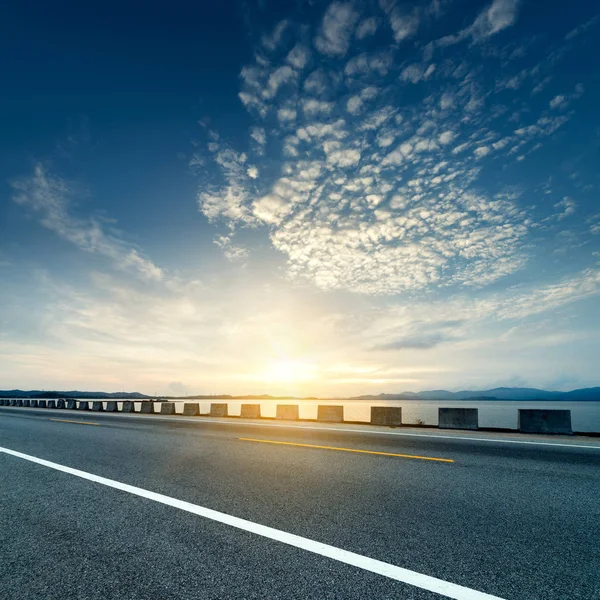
(425, 582)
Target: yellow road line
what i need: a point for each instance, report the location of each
(78, 422)
(447, 460)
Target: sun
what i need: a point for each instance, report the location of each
(289, 370)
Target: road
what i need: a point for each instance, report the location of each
(510, 520)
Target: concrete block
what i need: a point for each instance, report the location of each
(25, 402)
(458, 418)
(71, 404)
(41, 404)
(386, 415)
(167, 408)
(97, 405)
(128, 407)
(111, 406)
(60, 403)
(250, 411)
(287, 412)
(51, 403)
(218, 409)
(191, 409)
(545, 421)
(84, 405)
(330, 413)
(147, 408)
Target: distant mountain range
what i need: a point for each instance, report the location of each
(502, 393)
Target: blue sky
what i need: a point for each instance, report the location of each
(321, 198)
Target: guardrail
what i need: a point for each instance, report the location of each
(527, 417)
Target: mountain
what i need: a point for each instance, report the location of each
(501, 393)
(70, 394)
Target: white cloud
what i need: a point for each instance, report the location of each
(50, 196)
(558, 102)
(231, 251)
(404, 25)
(366, 28)
(498, 16)
(252, 172)
(354, 105)
(446, 137)
(277, 78)
(286, 114)
(314, 108)
(481, 151)
(272, 41)
(298, 56)
(336, 29)
(258, 135)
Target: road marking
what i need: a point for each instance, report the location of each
(447, 460)
(73, 421)
(425, 582)
(234, 421)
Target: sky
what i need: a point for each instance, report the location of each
(306, 198)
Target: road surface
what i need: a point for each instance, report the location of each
(487, 518)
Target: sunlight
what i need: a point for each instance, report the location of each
(289, 370)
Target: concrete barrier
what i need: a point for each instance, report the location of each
(167, 408)
(330, 413)
(72, 404)
(60, 403)
(41, 404)
(25, 402)
(13, 401)
(111, 406)
(458, 418)
(545, 421)
(51, 403)
(287, 412)
(97, 405)
(147, 408)
(191, 409)
(218, 409)
(33, 403)
(83, 405)
(250, 411)
(19, 402)
(386, 415)
(128, 407)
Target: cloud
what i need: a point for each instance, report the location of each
(366, 28)
(404, 24)
(51, 197)
(272, 41)
(336, 29)
(258, 135)
(558, 102)
(500, 15)
(416, 342)
(376, 187)
(231, 251)
(298, 56)
(496, 17)
(286, 114)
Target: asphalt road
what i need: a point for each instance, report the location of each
(517, 521)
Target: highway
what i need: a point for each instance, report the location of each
(97, 505)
